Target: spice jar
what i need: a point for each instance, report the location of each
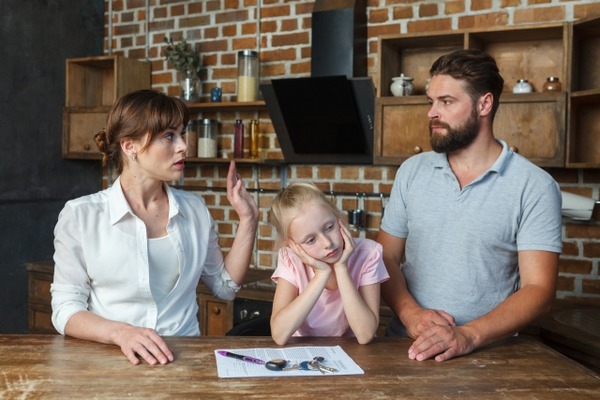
(191, 140)
(247, 80)
(522, 86)
(207, 138)
(254, 138)
(238, 139)
(552, 84)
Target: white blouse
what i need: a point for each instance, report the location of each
(102, 262)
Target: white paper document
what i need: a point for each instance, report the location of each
(334, 356)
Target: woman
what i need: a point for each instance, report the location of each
(128, 259)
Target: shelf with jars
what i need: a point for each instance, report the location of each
(533, 122)
(205, 114)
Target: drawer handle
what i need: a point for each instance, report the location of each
(418, 149)
(216, 310)
(87, 147)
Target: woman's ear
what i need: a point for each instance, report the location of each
(130, 148)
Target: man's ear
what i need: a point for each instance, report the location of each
(485, 104)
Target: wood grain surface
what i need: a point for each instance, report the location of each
(55, 367)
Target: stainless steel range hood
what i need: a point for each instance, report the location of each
(328, 118)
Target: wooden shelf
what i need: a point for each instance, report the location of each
(533, 124)
(246, 161)
(93, 84)
(583, 144)
(228, 106)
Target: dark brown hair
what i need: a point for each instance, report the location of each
(133, 116)
(477, 69)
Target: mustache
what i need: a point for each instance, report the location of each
(438, 124)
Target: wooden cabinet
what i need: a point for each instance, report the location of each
(215, 315)
(93, 84)
(584, 103)
(533, 124)
(39, 279)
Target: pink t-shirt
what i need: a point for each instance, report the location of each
(327, 317)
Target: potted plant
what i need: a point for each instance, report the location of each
(187, 62)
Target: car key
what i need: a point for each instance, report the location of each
(277, 364)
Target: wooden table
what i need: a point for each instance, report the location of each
(52, 367)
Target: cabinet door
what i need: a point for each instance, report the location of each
(401, 129)
(534, 125)
(79, 128)
(216, 316)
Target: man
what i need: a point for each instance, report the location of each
(472, 232)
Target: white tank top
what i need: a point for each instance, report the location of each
(164, 267)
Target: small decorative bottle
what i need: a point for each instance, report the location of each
(552, 84)
(254, 138)
(238, 139)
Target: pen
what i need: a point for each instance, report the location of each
(241, 357)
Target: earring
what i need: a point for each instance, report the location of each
(134, 157)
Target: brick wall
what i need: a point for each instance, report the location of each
(280, 31)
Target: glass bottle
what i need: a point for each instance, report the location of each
(552, 84)
(254, 138)
(247, 79)
(238, 139)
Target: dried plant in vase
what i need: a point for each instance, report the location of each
(187, 62)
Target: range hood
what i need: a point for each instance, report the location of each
(328, 117)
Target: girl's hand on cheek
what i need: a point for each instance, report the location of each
(316, 265)
(348, 245)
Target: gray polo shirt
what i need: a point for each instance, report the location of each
(461, 245)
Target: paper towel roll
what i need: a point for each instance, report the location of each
(577, 207)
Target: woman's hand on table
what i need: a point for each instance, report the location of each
(145, 343)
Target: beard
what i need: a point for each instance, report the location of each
(455, 138)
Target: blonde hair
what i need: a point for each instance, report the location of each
(288, 203)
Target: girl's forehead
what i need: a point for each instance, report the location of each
(310, 215)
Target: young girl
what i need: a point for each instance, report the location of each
(327, 282)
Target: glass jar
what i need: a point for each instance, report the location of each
(247, 78)
(552, 84)
(208, 130)
(238, 139)
(522, 86)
